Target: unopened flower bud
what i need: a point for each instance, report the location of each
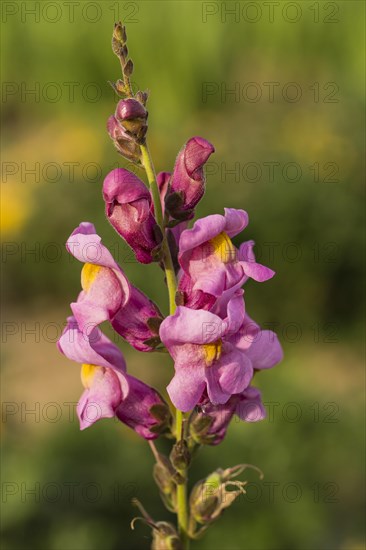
(188, 182)
(128, 109)
(210, 422)
(119, 32)
(180, 456)
(123, 142)
(166, 478)
(142, 97)
(132, 116)
(128, 68)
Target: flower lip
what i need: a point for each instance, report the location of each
(196, 152)
(123, 186)
(93, 348)
(86, 246)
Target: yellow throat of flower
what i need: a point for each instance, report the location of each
(87, 374)
(212, 352)
(88, 275)
(223, 247)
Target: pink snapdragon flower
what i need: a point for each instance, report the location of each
(210, 422)
(107, 294)
(216, 353)
(211, 266)
(204, 357)
(128, 208)
(109, 390)
(187, 183)
(106, 288)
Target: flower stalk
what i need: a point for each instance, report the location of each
(216, 348)
(182, 504)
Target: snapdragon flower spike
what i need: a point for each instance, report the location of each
(109, 390)
(187, 184)
(128, 208)
(210, 422)
(211, 265)
(204, 358)
(106, 288)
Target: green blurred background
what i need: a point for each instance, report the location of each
(63, 489)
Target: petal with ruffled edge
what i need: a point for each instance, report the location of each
(265, 352)
(187, 385)
(93, 348)
(252, 269)
(230, 374)
(191, 326)
(250, 407)
(207, 255)
(105, 286)
(100, 400)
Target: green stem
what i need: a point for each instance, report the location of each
(167, 258)
(182, 505)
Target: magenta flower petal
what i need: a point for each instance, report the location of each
(202, 231)
(130, 108)
(235, 312)
(220, 416)
(247, 405)
(93, 348)
(261, 346)
(266, 351)
(211, 265)
(86, 246)
(186, 386)
(135, 409)
(235, 221)
(105, 287)
(236, 371)
(250, 407)
(187, 184)
(252, 269)
(133, 321)
(231, 374)
(101, 399)
(128, 208)
(163, 179)
(191, 326)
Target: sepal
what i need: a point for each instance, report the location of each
(165, 536)
(212, 495)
